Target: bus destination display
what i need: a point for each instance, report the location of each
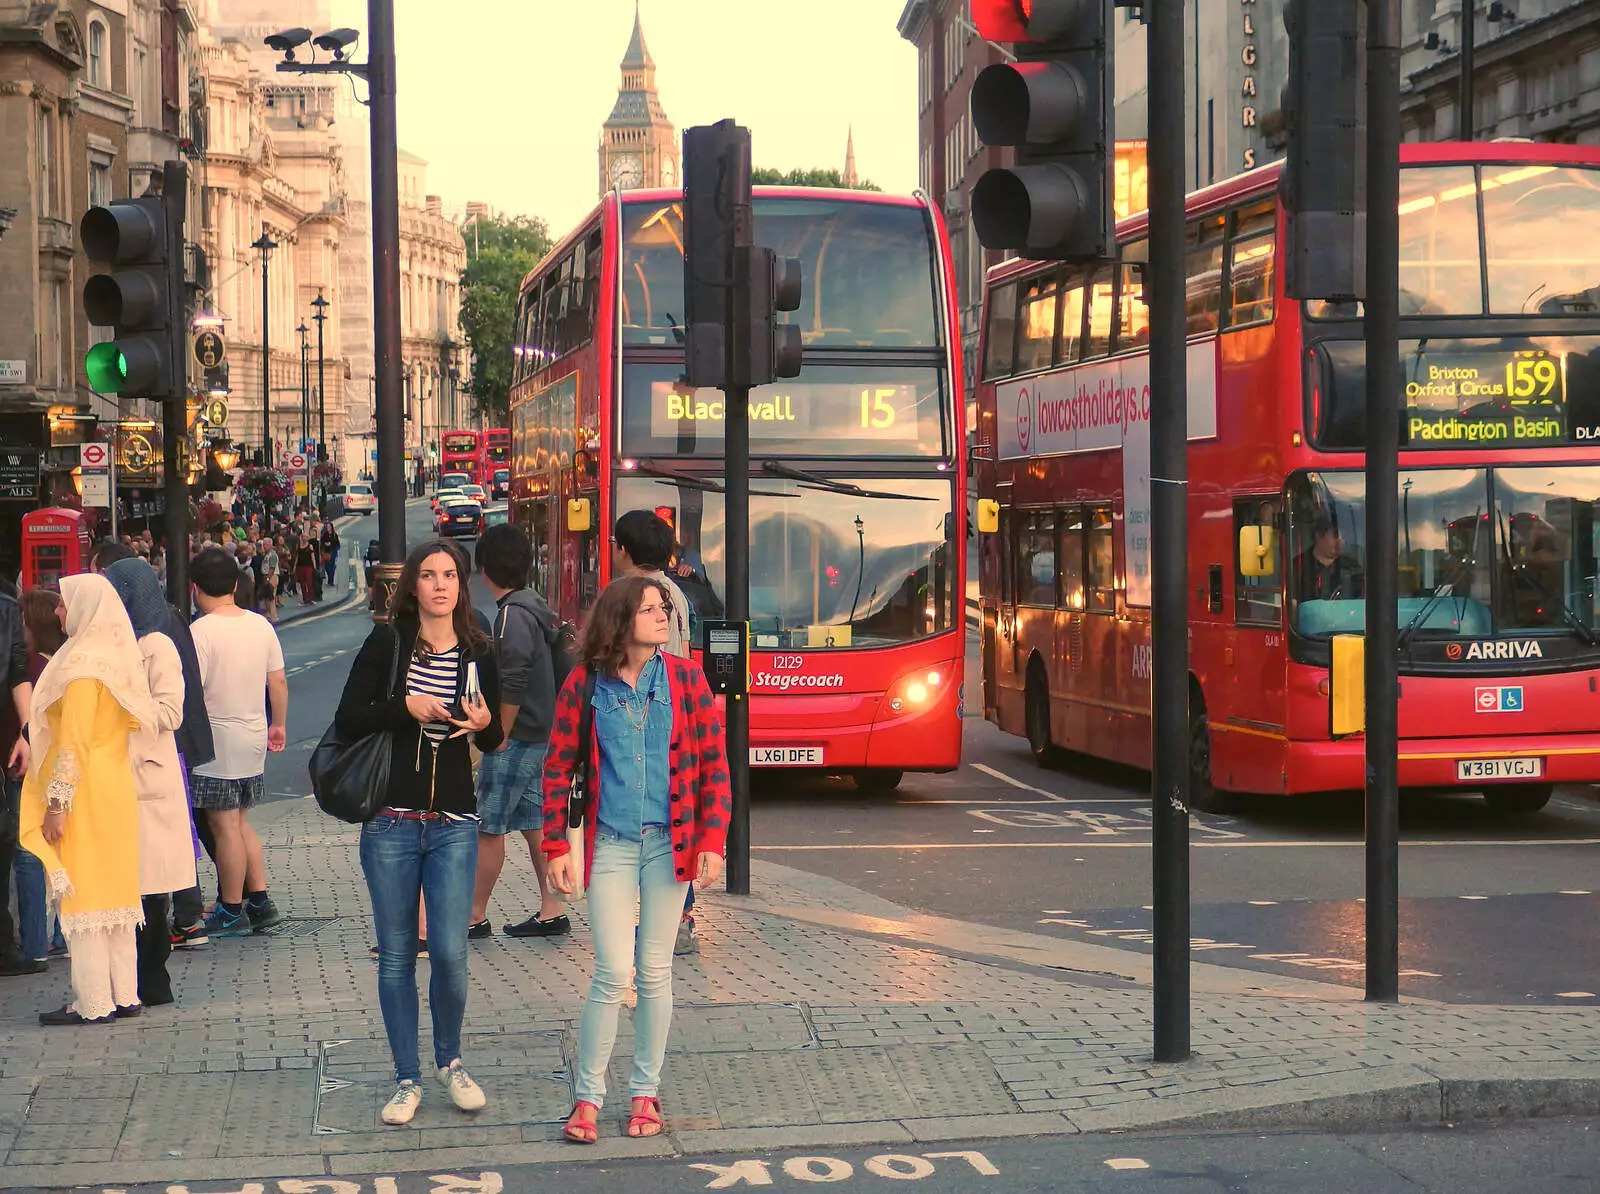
(1516, 398)
(792, 410)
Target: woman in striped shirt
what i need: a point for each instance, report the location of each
(425, 838)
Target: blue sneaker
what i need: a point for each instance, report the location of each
(222, 923)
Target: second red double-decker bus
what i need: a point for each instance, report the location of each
(1499, 491)
(461, 452)
(857, 487)
(496, 476)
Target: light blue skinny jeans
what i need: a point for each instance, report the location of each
(629, 874)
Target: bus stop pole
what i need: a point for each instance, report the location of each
(737, 504)
(1383, 412)
(1169, 527)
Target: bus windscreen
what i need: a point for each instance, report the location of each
(866, 269)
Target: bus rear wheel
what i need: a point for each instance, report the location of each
(878, 780)
(1518, 798)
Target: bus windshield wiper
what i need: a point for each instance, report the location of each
(690, 481)
(1568, 615)
(1447, 589)
(818, 481)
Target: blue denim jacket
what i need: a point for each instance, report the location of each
(634, 764)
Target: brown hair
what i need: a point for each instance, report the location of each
(40, 622)
(468, 634)
(605, 635)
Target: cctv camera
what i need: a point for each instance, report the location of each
(285, 41)
(337, 42)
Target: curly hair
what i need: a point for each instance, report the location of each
(605, 635)
(468, 633)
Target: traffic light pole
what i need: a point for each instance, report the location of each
(1169, 528)
(1383, 485)
(736, 447)
(386, 302)
(175, 410)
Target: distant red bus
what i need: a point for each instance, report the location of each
(1500, 490)
(858, 483)
(461, 452)
(496, 477)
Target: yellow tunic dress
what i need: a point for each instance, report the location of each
(94, 867)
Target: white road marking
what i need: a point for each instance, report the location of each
(1472, 897)
(1575, 995)
(1575, 893)
(1262, 903)
(1016, 783)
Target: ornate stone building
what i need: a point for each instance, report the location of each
(638, 144)
(434, 367)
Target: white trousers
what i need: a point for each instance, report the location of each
(105, 970)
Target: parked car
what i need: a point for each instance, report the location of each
(500, 484)
(358, 497)
(459, 519)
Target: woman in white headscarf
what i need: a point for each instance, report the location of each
(79, 812)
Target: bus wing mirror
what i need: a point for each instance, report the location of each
(988, 516)
(1258, 551)
(1347, 691)
(578, 517)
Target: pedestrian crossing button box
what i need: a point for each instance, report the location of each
(727, 657)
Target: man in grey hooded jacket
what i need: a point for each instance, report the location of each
(510, 780)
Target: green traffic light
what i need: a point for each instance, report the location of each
(107, 368)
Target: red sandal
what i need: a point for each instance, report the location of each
(581, 1126)
(646, 1114)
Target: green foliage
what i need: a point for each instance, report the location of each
(500, 252)
(765, 176)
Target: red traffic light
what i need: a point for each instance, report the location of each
(1029, 20)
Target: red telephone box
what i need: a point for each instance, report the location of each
(55, 543)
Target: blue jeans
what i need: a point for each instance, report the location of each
(628, 874)
(33, 908)
(402, 857)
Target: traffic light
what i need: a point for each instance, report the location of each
(1054, 105)
(1324, 181)
(716, 219)
(139, 299)
(774, 285)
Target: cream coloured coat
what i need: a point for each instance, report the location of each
(166, 841)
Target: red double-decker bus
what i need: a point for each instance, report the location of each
(496, 478)
(857, 505)
(1499, 491)
(461, 452)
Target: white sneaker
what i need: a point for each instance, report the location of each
(403, 1104)
(464, 1092)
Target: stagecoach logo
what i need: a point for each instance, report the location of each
(1509, 649)
(1024, 418)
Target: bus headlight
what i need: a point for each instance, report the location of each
(916, 691)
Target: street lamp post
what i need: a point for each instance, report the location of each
(266, 244)
(305, 384)
(320, 305)
(379, 72)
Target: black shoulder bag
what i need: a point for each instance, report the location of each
(349, 777)
(578, 798)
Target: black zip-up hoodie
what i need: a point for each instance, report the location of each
(419, 777)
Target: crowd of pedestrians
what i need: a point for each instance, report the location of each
(135, 741)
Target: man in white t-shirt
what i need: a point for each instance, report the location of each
(240, 662)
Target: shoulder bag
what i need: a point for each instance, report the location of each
(578, 798)
(349, 777)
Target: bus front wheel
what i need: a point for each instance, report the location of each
(878, 780)
(1518, 798)
(1203, 793)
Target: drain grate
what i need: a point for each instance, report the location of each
(298, 926)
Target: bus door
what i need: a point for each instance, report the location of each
(1006, 648)
(1254, 645)
(541, 535)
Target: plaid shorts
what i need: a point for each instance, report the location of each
(511, 788)
(222, 795)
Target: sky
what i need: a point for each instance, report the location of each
(505, 98)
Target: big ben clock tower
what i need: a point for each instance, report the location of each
(638, 144)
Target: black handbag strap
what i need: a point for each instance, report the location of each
(579, 800)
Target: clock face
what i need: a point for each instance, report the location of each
(626, 170)
(669, 172)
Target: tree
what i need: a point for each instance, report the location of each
(806, 178)
(500, 252)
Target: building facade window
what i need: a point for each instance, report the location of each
(924, 77)
(99, 64)
(47, 173)
(99, 183)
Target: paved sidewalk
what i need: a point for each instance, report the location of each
(814, 1014)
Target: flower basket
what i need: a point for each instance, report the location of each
(269, 484)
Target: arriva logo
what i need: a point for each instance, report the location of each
(1517, 648)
